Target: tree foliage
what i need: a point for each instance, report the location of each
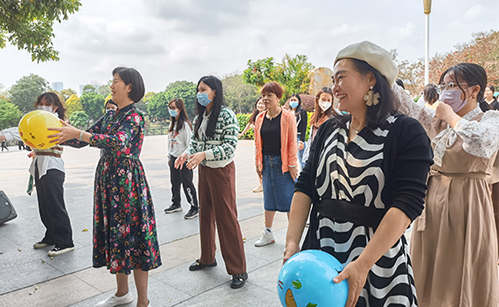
(93, 105)
(9, 114)
(68, 92)
(157, 106)
(291, 73)
(79, 119)
(239, 96)
(27, 24)
(483, 50)
(24, 93)
(73, 104)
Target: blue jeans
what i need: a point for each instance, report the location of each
(300, 154)
(278, 188)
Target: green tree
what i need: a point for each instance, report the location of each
(68, 92)
(79, 119)
(291, 73)
(239, 96)
(27, 24)
(93, 105)
(158, 105)
(9, 114)
(24, 93)
(104, 89)
(88, 89)
(73, 104)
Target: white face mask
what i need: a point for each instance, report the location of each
(325, 105)
(45, 108)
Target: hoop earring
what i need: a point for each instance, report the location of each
(371, 98)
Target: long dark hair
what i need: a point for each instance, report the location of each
(255, 111)
(319, 116)
(298, 108)
(472, 74)
(53, 99)
(183, 118)
(218, 101)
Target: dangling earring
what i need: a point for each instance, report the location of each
(371, 98)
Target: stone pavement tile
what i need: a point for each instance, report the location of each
(99, 278)
(159, 294)
(196, 282)
(80, 258)
(62, 291)
(271, 252)
(25, 274)
(266, 277)
(223, 295)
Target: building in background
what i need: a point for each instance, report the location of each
(57, 86)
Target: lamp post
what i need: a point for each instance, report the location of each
(427, 11)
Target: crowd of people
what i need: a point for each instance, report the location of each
(375, 163)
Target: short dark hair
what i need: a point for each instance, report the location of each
(131, 75)
(492, 88)
(273, 87)
(472, 74)
(216, 85)
(430, 93)
(53, 99)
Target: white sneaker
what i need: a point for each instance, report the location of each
(265, 239)
(116, 301)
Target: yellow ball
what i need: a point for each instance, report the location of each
(33, 129)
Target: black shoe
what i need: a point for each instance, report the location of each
(173, 208)
(59, 250)
(238, 280)
(193, 212)
(197, 265)
(41, 244)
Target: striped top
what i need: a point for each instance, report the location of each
(363, 172)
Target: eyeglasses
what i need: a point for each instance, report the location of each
(451, 86)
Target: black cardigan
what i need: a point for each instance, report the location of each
(301, 124)
(407, 159)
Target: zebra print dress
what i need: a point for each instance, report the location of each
(354, 172)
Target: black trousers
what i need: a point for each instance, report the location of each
(182, 177)
(4, 145)
(55, 218)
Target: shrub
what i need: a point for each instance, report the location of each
(243, 120)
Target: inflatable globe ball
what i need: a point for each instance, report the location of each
(306, 280)
(33, 129)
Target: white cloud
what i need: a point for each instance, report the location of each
(475, 12)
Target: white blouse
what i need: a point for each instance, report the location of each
(480, 138)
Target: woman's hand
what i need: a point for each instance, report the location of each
(445, 112)
(195, 159)
(259, 172)
(356, 274)
(290, 250)
(66, 133)
(293, 172)
(31, 154)
(240, 135)
(301, 145)
(179, 162)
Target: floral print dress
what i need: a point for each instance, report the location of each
(124, 230)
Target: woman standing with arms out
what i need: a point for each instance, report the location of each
(276, 161)
(212, 147)
(301, 125)
(259, 108)
(47, 170)
(454, 242)
(323, 110)
(489, 97)
(366, 177)
(125, 238)
(179, 138)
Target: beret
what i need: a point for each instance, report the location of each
(374, 55)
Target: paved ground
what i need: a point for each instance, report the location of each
(29, 277)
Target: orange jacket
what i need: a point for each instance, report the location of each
(289, 146)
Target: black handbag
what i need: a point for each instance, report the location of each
(7, 211)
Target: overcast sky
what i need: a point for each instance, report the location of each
(169, 40)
